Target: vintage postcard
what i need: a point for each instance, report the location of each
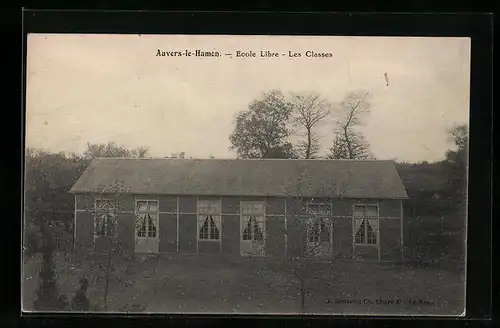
(246, 174)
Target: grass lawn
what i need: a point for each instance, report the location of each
(205, 284)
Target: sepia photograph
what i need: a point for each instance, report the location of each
(245, 174)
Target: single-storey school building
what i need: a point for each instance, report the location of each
(255, 207)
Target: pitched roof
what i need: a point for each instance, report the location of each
(238, 177)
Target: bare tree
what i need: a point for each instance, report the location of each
(349, 143)
(309, 110)
(108, 205)
(313, 227)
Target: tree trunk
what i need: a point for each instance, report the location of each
(302, 295)
(309, 141)
(348, 142)
(106, 282)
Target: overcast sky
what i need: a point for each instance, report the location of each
(100, 88)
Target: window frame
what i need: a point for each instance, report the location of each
(155, 215)
(107, 217)
(203, 216)
(255, 216)
(367, 218)
(319, 222)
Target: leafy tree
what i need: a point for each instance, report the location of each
(49, 208)
(455, 168)
(47, 293)
(262, 130)
(459, 134)
(309, 111)
(348, 143)
(112, 149)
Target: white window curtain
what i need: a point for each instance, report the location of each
(217, 221)
(246, 233)
(366, 223)
(253, 216)
(373, 224)
(147, 218)
(253, 227)
(209, 227)
(209, 220)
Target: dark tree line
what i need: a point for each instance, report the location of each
(437, 206)
(48, 207)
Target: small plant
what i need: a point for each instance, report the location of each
(80, 301)
(47, 293)
(135, 307)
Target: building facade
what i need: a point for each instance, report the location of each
(272, 208)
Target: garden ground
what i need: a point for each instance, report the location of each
(177, 284)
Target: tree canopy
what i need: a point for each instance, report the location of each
(262, 130)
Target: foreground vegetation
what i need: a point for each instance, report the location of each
(240, 285)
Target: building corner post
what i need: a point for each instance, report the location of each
(177, 218)
(402, 231)
(74, 227)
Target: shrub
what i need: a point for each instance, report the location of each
(47, 293)
(80, 301)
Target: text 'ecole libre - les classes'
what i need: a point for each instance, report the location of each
(244, 54)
